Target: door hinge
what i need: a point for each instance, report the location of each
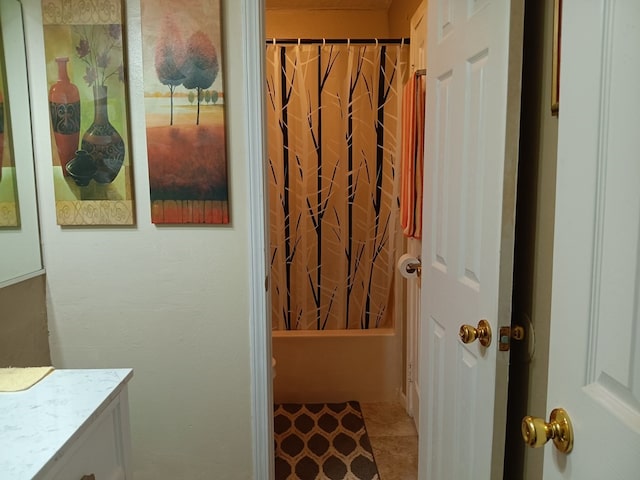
(410, 372)
(510, 333)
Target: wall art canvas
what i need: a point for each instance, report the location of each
(555, 62)
(184, 105)
(84, 50)
(9, 216)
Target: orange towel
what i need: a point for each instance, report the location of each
(412, 159)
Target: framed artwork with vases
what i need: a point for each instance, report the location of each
(9, 210)
(88, 109)
(185, 111)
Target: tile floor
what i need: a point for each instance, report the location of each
(394, 440)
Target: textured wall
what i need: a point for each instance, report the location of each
(24, 338)
(330, 4)
(366, 19)
(168, 301)
(294, 23)
(400, 13)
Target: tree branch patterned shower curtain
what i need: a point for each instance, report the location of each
(334, 115)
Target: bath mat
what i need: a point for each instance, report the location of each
(319, 441)
(18, 379)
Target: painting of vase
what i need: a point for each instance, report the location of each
(64, 108)
(92, 165)
(9, 210)
(1, 133)
(102, 141)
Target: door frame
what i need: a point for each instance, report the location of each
(413, 247)
(259, 319)
(253, 13)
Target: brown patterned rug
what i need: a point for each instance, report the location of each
(319, 441)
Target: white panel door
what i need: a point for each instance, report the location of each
(414, 246)
(468, 233)
(594, 364)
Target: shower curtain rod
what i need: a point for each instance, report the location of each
(336, 41)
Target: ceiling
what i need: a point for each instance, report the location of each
(329, 4)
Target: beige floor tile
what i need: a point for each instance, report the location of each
(387, 419)
(396, 457)
(394, 440)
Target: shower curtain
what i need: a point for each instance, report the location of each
(333, 119)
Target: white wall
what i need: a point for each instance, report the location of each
(171, 302)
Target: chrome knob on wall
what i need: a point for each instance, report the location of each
(414, 267)
(409, 266)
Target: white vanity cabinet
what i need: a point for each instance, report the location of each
(72, 425)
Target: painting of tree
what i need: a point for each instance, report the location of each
(169, 57)
(200, 66)
(186, 136)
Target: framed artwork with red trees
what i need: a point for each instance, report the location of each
(184, 110)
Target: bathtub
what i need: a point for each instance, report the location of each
(337, 365)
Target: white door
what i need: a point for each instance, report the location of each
(414, 246)
(473, 109)
(594, 364)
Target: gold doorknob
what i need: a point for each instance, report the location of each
(536, 432)
(468, 334)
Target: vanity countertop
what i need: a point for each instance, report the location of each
(38, 424)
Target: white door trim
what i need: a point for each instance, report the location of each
(259, 320)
